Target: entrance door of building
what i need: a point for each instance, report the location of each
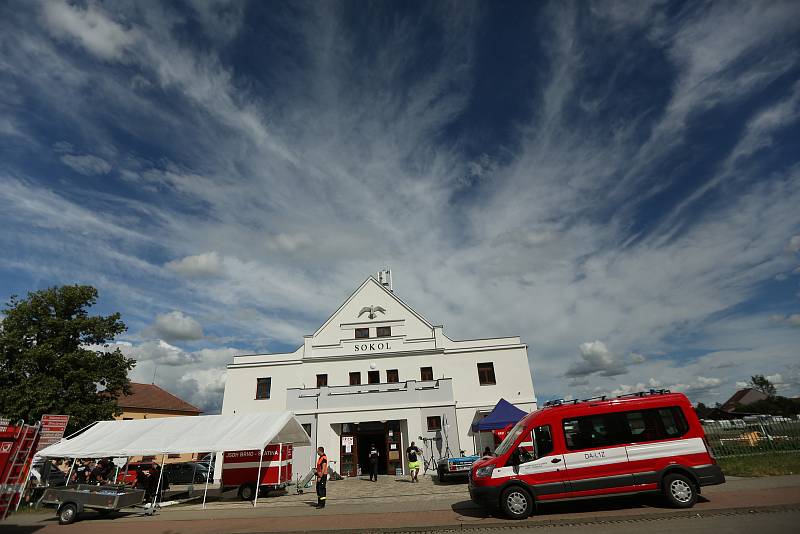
(369, 434)
(349, 451)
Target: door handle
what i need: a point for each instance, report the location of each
(555, 460)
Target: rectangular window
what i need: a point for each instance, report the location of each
(355, 378)
(307, 428)
(263, 386)
(603, 430)
(322, 380)
(384, 331)
(649, 425)
(373, 377)
(362, 333)
(434, 423)
(486, 374)
(426, 373)
(392, 376)
(542, 440)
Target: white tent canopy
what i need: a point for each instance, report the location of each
(175, 435)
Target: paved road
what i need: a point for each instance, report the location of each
(767, 522)
(770, 498)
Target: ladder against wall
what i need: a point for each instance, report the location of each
(17, 447)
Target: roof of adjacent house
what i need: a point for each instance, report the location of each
(152, 397)
(744, 397)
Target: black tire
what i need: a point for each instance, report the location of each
(67, 514)
(516, 502)
(247, 492)
(679, 491)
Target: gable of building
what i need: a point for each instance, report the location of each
(372, 306)
(152, 397)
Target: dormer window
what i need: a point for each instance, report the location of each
(384, 331)
(362, 333)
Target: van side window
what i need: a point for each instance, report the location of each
(542, 440)
(601, 430)
(661, 423)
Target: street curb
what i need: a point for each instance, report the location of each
(544, 523)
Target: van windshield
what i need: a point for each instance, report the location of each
(510, 439)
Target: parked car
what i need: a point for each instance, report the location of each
(186, 473)
(646, 442)
(128, 476)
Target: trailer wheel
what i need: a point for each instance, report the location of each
(247, 492)
(67, 514)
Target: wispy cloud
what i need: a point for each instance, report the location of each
(638, 208)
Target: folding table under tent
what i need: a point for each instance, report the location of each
(176, 435)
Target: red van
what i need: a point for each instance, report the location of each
(643, 442)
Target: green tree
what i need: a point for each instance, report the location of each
(50, 360)
(762, 384)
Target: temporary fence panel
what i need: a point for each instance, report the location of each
(741, 437)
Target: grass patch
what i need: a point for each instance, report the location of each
(761, 465)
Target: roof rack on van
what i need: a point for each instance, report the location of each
(561, 402)
(643, 393)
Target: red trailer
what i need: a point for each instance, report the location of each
(17, 445)
(241, 468)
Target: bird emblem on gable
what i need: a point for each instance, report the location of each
(372, 311)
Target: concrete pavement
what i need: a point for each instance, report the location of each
(360, 505)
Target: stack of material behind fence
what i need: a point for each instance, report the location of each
(753, 435)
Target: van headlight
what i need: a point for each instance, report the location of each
(484, 472)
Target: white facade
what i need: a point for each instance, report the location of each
(395, 409)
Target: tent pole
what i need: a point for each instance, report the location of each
(127, 465)
(280, 457)
(258, 480)
(208, 474)
(69, 476)
(160, 476)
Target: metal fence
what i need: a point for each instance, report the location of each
(752, 435)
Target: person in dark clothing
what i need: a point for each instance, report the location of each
(141, 478)
(321, 471)
(487, 451)
(373, 463)
(153, 484)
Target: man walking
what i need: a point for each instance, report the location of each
(373, 463)
(413, 453)
(321, 471)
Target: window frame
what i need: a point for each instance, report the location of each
(359, 333)
(392, 373)
(422, 374)
(357, 376)
(438, 419)
(387, 331)
(373, 374)
(259, 384)
(324, 380)
(486, 370)
(534, 437)
(618, 429)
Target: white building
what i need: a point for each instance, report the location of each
(378, 373)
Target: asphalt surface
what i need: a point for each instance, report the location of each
(775, 501)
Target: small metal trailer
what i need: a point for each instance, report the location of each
(70, 501)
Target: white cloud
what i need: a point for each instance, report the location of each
(596, 358)
(288, 242)
(175, 326)
(794, 244)
(201, 265)
(794, 319)
(90, 27)
(88, 164)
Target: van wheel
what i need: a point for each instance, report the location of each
(247, 492)
(516, 503)
(679, 491)
(67, 514)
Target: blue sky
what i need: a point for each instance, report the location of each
(616, 182)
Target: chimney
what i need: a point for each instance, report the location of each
(385, 278)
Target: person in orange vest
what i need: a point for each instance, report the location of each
(321, 471)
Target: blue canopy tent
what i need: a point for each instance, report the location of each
(503, 415)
